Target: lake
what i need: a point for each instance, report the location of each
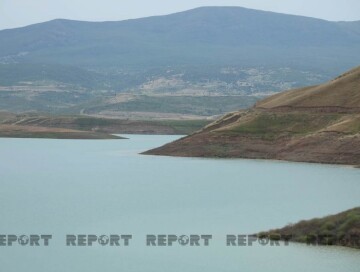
(104, 187)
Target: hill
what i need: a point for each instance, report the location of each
(209, 35)
(314, 124)
(209, 51)
(341, 229)
(342, 94)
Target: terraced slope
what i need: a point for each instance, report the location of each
(313, 124)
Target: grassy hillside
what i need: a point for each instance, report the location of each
(67, 67)
(287, 126)
(342, 92)
(340, 229)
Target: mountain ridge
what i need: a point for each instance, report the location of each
(215, 26)
(223, 51)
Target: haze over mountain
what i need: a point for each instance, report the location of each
(205, 51)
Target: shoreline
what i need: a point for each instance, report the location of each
(252, 159)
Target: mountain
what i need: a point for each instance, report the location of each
(313, 124)
(209, 35)
(209, 51)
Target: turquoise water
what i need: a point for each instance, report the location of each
(62, 187)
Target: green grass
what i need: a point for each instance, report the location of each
(268, 125)
(184, 126)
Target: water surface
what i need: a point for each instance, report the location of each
(62, 187)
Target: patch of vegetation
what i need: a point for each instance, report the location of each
(184, 127)
(270, 125)
(340, 229)
(353, 126)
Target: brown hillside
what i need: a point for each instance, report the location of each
(341, 92)
(313, 124)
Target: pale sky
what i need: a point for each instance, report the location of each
(16, 13)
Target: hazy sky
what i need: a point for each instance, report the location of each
(15, 13)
